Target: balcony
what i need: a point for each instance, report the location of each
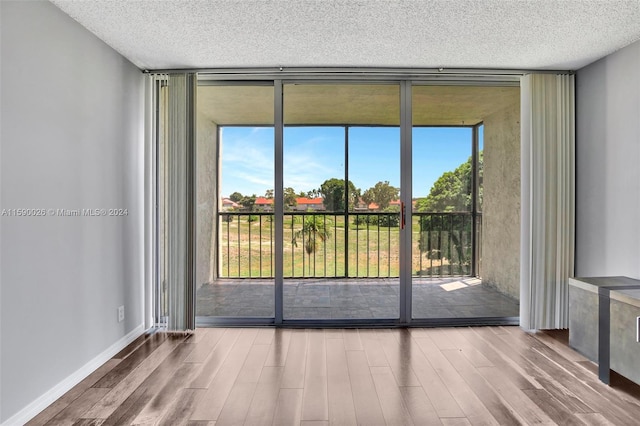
(353, 270)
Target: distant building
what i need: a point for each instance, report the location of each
(228, 204)
(264, 204)
(372, 207)
(315, 204)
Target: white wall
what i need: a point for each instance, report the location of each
(608, 166)
(72, 138)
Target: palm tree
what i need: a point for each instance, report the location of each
(314, 230)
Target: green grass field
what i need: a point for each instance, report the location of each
(373, 251)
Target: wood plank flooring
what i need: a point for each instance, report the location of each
(268, 376)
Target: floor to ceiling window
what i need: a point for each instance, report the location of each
(448, 158)
(344, 211)
(234, 187)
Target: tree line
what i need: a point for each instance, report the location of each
(451, 192)
(332, 191)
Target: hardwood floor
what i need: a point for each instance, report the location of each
(267, 376)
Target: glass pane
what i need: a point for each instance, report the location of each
(448, 235)
(314, 202)
(235, 183)
(442, 192)
(374, 158)
(340, 241)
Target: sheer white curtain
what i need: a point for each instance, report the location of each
(548, 199)
(178, 199)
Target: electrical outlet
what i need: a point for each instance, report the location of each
(120, 313)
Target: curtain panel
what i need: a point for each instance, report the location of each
(177, 187)
(548, 199)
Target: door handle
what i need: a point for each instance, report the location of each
(402, 215)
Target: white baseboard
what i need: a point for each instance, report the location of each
(49, 397)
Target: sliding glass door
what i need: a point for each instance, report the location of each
(341, 149)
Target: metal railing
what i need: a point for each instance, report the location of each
(449, 244)
(354, 245)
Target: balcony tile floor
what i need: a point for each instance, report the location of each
(328, 298)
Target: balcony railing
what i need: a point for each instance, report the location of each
(357, 245)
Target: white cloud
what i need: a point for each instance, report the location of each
(248, 161)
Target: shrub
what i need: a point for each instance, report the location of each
(390, 220)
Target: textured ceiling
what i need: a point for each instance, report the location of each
(507, 34)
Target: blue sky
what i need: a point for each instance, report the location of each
(315, 154)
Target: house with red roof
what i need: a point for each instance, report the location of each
(304, 204)
(264, 204)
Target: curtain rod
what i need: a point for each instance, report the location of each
(398, 73)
